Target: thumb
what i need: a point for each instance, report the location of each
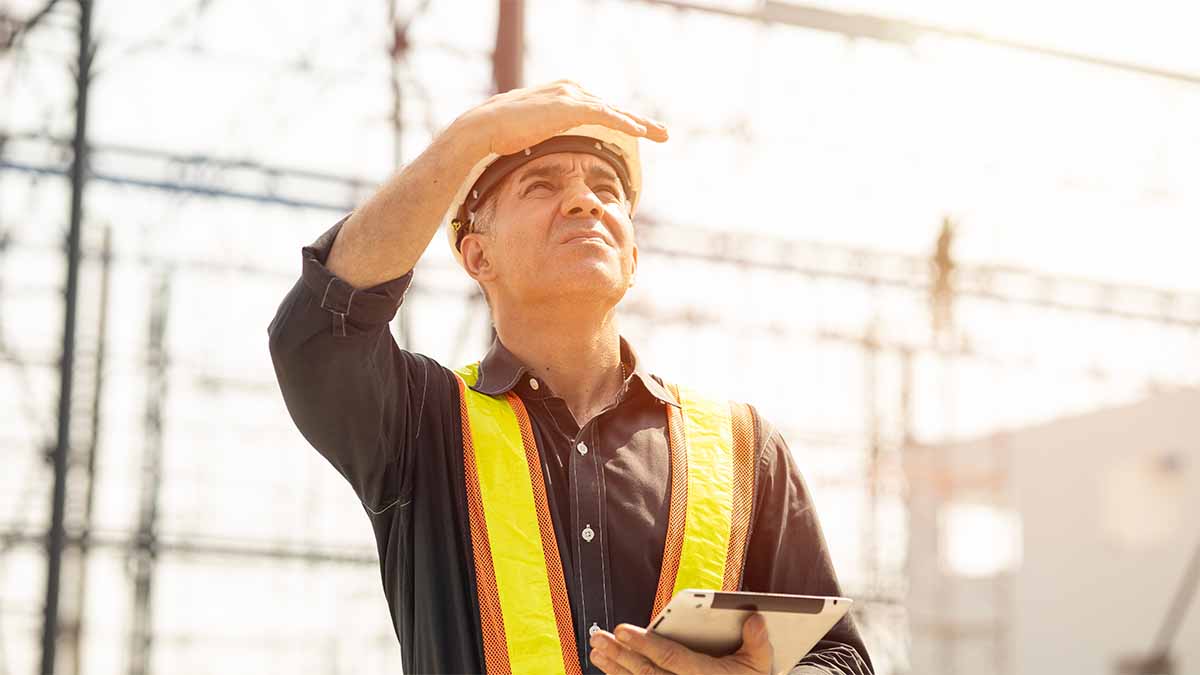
(756, 648)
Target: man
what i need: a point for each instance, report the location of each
(534, 510)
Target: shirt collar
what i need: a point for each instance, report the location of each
(500, 371)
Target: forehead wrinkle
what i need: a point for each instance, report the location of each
(562, 166)
(601, 170)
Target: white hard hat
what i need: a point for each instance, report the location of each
(615, 147)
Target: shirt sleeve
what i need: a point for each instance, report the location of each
(351, 391)
(787, 554)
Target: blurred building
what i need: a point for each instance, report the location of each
(1058, 548)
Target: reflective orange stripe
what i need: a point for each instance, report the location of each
(674, 543)
(558, 585)
(744, 443)
(491, 619)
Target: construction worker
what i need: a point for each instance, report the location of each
(535, 509)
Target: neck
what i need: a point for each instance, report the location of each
(575, 350)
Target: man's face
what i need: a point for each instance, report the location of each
(561, 229)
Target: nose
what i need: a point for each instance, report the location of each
(581, 200)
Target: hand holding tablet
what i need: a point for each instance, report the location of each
(710, 623)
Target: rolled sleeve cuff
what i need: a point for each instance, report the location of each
(352, 310)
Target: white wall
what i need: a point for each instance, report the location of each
(1105, 503)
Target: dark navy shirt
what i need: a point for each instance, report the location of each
(388, 420)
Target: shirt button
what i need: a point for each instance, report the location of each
(588, 533)
(533, 383)
(594, 629)
(582, 447)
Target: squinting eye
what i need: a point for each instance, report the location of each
(543, 184)
(610, 190)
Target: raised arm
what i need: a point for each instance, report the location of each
(351, 391)
(385, 237)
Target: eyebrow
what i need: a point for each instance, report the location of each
(595, 172)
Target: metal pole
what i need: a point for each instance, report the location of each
(144, 555)
(904, 33)
(1183, 597)
(508, 62)
(399, 52)
(74, 637)
(57, 533)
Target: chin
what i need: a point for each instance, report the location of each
(589, 283)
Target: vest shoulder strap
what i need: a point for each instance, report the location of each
(712, 445)
(524, 609)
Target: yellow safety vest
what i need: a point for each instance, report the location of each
(524, 609)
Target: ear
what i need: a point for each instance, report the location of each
(477, 258)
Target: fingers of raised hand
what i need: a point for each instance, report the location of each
(608, 114)
(655, 130)
(613, 118)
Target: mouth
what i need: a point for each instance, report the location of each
(580, 237)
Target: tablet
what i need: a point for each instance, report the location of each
(710, 622)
